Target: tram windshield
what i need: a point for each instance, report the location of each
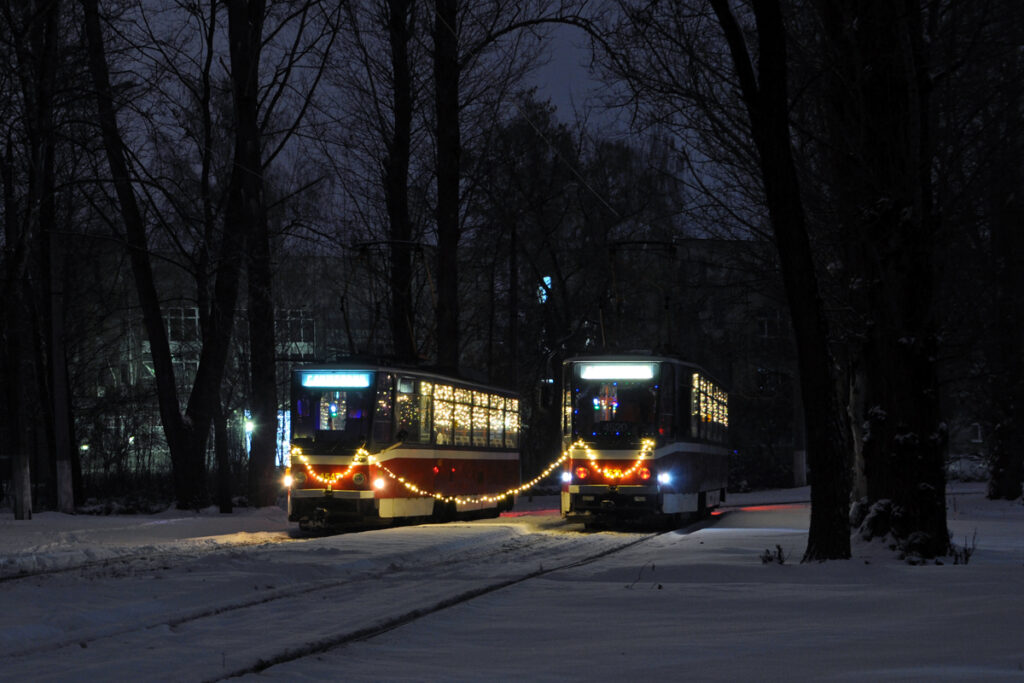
(614, 410)
(335, 407)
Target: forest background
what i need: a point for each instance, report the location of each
(860, 162)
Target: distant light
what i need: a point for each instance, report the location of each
(338, 379)
(617, 370)
(84, 447)
(543, 289)
(250, 426)
(664, 478)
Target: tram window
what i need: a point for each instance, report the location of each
(426, 401)
(695, 406)
(463, 416)
(339, 411)
(615, 410)
(443, 414)
(666, 402)
(407, 407)
(333, 411)
(497, 425)
(512, 423)
(383, 427)
(479, 426)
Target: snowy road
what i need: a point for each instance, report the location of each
(274, 600)
(183, 596)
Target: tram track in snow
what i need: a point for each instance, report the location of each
(341, 639)
(409, 586)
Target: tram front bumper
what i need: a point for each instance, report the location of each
(598, 499)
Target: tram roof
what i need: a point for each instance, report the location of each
(433, 374)
(639, 357)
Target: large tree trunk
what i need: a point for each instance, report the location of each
(36, 50)
(15, 431)
(246, 207)
(828, 450)
(18, 372)
(396, 182)
(449, 151)
(881, 98)
(1007, 220)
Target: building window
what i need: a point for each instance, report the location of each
(295, 331)
(295, 325)
(183, 324)
(768, 324)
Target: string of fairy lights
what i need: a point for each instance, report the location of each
(646, 448)
(362, 456)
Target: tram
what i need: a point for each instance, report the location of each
(643, 436)
(378, 443)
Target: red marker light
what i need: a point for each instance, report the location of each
(582, 472)
(644, 473)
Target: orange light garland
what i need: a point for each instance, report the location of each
(361, 457)
(484, 498)
(646, 448)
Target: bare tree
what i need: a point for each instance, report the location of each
(36, 254)
(186, 434)
(671, 60)
(480, 52)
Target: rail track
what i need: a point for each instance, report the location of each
(243, 609)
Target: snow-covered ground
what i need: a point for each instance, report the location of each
(184, 596)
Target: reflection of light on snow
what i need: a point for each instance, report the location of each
(529, 513)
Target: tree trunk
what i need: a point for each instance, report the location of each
(18, 359)
(36, 51)
(396, 182)
(824, 415)
(247, 211)
(1007, 219)
(881, 94)
(220, 448)
(13, 441)
(449, 151)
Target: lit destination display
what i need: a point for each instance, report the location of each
(342, 379)
(617, 370)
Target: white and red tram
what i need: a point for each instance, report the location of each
(383, 443)
(642, 436)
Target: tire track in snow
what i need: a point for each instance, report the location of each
(361, 634)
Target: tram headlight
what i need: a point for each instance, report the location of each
(288, 481)
(664, 478)
(566, 477)
(379, 483)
